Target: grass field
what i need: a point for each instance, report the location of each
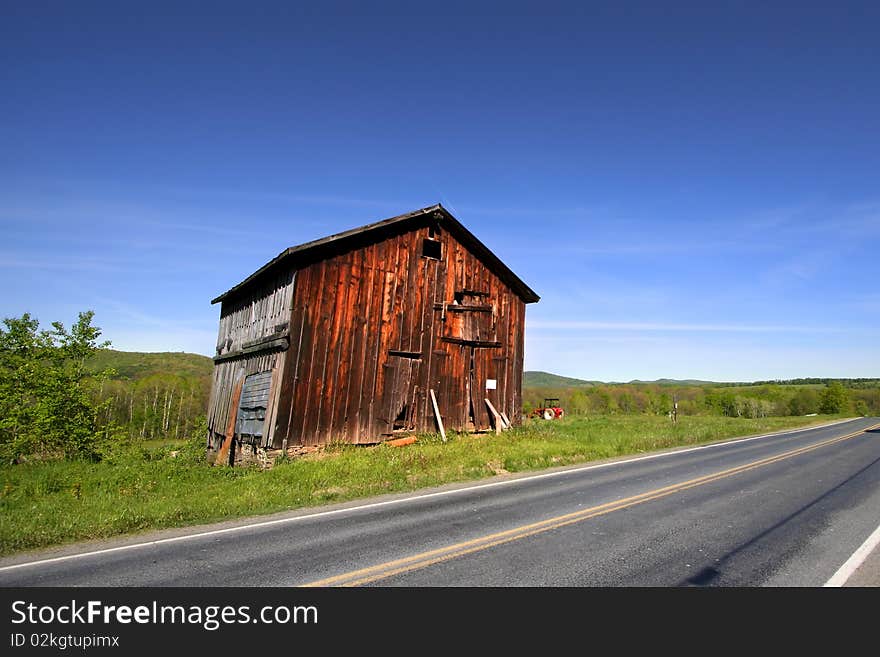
(165, 484)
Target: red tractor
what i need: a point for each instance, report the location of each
(549, 410)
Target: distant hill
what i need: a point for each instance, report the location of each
(548, 380)
(537, 379)
(677, 382)
(134, 365)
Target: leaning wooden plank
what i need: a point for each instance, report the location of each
(506, 424)
(401, 442)
(437, 415)
(495, 415)
(225, 456)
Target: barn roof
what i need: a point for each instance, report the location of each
(375, 231)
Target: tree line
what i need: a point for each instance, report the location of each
(751, 401)
(157, 406)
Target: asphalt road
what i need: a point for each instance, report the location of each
(782, 510)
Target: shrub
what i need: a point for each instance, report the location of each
(46, 406)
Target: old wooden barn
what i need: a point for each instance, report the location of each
(345, 338)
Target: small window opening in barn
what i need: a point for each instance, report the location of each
(431, 248)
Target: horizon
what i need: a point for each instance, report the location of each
(692, 190)
(583, 380)
(690, 380)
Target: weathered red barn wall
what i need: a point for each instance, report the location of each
(357, 332)
(367, 338)
(468, 333)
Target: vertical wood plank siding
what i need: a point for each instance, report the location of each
(371, 329)
(261, 314)
(254, 328)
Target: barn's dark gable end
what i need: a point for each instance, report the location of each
(344, 338)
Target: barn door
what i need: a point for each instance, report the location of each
(398, 394)
(473, 379)
(252, 407)
(473, 402)
(460, 374)
(482, 375)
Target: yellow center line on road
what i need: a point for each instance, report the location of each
(425, 559)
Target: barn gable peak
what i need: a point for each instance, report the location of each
(332, 244)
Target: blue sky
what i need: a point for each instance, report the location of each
(692, 188)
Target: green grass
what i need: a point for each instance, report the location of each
(161, 485)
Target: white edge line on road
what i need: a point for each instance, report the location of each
(374, 505)
(857, 559)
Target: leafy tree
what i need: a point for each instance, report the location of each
(45, 402)
(723, 403)
(602, 401)
(625, 402)
(661, 404)
(804, 402)
(867, 400)
(833, 398)
(578, 403)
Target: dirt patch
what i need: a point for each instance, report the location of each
(329, 493)
(311, 452)
(496, 467)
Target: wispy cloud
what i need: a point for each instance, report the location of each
(63, 214)
(285, 197)
(642, 248)
(821, 227)
(99, 264)
(799, 269)
(248, 227)
(189, 340)
(568, 325)
(546, 213)
(140, 317)
(107, 187)
(59, 263)
(811, 220)
(869, 303)
(133, 328)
